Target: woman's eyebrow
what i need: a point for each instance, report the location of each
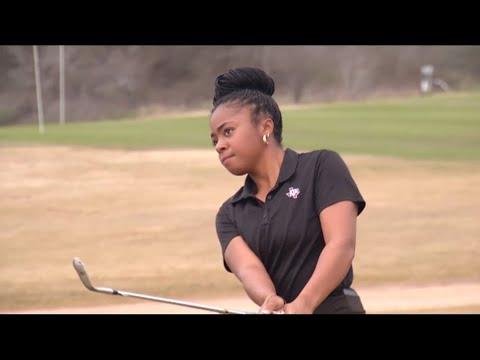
(219, 128)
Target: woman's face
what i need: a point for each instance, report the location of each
(236, 138)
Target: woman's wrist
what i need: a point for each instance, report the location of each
(306, 302)
(267, 299)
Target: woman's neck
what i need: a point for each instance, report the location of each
(267, 171)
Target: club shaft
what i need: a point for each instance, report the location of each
(82, 273)
(168, 301)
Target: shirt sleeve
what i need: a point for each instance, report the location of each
(334, 182)
(226, 228)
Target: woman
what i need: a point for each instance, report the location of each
(289, 233)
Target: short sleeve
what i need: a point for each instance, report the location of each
(226, 227)
(334, 182)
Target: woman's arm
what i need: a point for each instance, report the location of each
(338, 223)
(251, 272)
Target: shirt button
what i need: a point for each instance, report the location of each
(269, 197)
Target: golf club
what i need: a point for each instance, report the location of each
(82, 273)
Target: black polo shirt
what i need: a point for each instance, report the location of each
(285, 231)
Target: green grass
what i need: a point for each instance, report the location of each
(443, 127)
(437, 127)
(130, 134)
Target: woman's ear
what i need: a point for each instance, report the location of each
(267, 125)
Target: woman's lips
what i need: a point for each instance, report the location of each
(224, 158)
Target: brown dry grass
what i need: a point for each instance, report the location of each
(143, 221)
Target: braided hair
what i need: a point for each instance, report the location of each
(249, 86)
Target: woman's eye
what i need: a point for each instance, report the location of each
(214, 142)
(228, 132)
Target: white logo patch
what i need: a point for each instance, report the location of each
(293, 192)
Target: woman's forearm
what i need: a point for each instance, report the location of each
(332, 267)
(257, 283)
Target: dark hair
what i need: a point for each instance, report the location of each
(249, 86)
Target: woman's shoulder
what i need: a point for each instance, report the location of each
(228, 205)
(319, 159)
(318, 154)
(234, 197)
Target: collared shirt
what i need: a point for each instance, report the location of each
(285, 230)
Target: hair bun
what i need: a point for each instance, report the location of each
(243, 78)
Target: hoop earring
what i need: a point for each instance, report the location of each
(265, 138)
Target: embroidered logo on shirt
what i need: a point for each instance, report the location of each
(293, 192)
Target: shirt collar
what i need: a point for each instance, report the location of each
(249, 189)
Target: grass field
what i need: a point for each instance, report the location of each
(440, 127)
(130, 200)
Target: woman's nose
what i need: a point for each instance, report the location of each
(220, 146)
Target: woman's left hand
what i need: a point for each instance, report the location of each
(297, 308)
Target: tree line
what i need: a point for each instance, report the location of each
(114, 81)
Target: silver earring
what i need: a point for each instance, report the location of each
(265, 138)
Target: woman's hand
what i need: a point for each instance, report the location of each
(273, 304)
(297, 307)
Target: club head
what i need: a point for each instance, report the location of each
(82, 273)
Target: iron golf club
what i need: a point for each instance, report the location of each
(82, 273)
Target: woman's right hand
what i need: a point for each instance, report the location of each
(273, 304)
